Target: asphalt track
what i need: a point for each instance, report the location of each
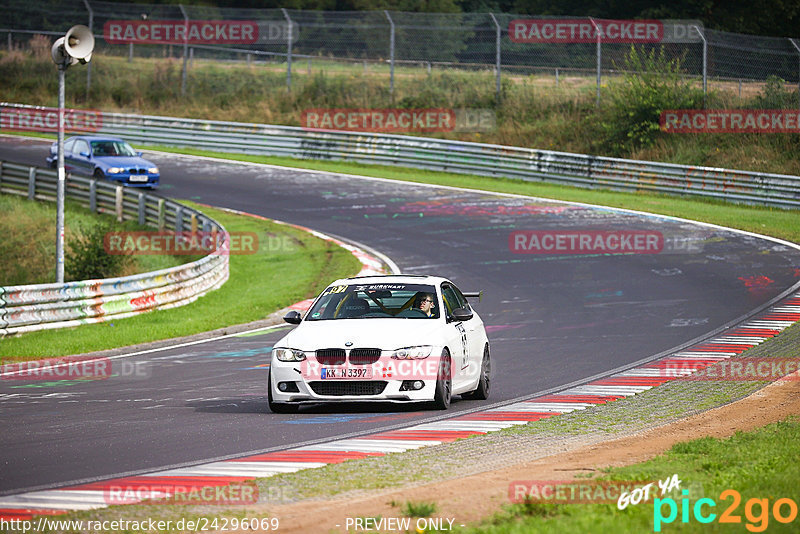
(552, 319)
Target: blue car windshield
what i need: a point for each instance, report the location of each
(364, 301)
(112, 148)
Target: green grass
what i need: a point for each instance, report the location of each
(758, 465)
(28, 248)
(776, 222)
(258, 285)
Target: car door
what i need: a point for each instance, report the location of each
(474, 330)
(79, 157)
(457, 331)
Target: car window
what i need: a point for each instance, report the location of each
(80, 146)
(112, 148)
(365, 301)
(450, 298)
(68, 145)
(462, 300)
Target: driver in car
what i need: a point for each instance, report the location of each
(424, 303)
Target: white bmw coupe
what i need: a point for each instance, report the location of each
(394, 338)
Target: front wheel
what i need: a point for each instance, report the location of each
(444, 383)
(482, 391)
(99, 174)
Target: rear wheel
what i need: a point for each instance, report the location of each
(482, 391)
(279, 407)
(444, 383)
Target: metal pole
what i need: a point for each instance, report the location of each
(599, 57)
(391, 53)
(185, 49)
(798, 69)
(497, 56)
(89, 65)
(288, 50)
(61, 179)
(130, 52)
(705, 64)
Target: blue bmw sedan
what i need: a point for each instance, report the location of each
(110, 158)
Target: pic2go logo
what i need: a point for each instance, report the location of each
(756, 511)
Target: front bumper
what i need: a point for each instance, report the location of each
(314, 390)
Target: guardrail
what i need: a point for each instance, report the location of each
(440, 154)
(46, 306)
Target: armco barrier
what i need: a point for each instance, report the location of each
(444, 155)
(46, 306)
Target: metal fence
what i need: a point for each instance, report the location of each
(46, 306)
(453, 156)
(386, 40)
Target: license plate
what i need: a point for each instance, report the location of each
(345, 373)
(138, 179)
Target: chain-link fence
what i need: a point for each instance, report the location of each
(401, 43)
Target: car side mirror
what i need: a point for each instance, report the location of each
(462, 314)
(139, 154)
(86, 154)
(293, 317)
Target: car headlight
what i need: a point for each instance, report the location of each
(412, 353)
(115, 170)
(153, 170)
(289, 355)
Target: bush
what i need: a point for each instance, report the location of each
(631, 120)
(774, 96)
(86, 257)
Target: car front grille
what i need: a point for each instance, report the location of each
(137, 171)
(364, 356)
(331, 356)
(348, 387)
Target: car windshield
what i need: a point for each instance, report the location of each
(112, 148)
(364, 301)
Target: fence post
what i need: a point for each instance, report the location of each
(93, 195)
(89, 64)
(794, 44)
(130, 52)
(185, 49)
(32, 183)
(162, 216)
(391, 53)
(1, 176)
(705, 64)
(599, 57)
(118, 202)
(10, 45)
(288, 50)
(179, 219)
(142, 210)
(497, 56)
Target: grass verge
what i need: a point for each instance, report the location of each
(28, 248)
(258, 285)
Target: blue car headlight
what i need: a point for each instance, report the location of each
(153, 170)
(115, 170)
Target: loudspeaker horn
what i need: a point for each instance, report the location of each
(79, 43)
